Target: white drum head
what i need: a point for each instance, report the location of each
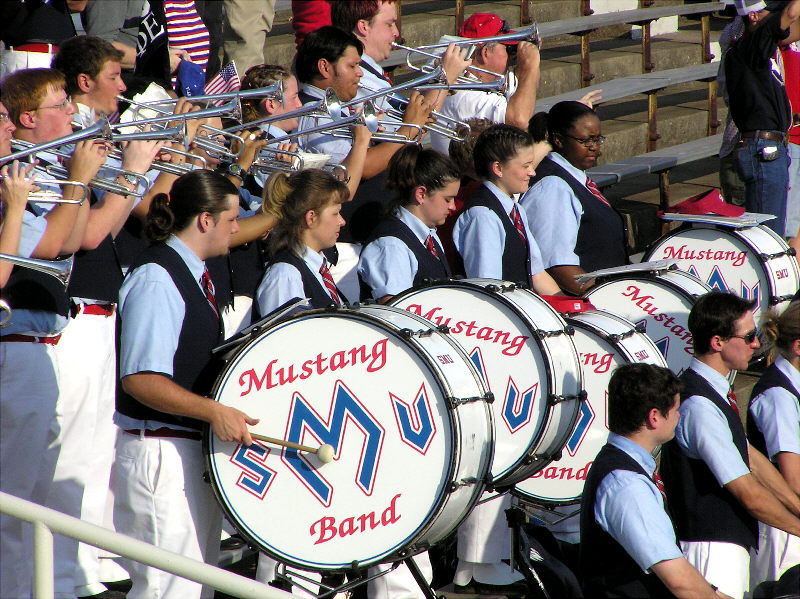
(348, 379)
(604, 341)
(498, 330)
(661, 302)
(752, 262)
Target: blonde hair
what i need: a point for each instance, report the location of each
(780, 331)
(289, 197)
(260, 75)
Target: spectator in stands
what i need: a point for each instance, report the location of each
(308, 16)
(514, 108)
(790, 60)
(116, 21)
(732, 186)
(247, 24)
(32, 31)
(760, 106)
(576, 227)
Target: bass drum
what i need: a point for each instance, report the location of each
(407, 417)
(754, 263)
(661, 300)
(604, 341)
(525, 351)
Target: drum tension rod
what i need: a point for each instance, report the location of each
(788, 252)
(408, 333)
(457, 401)
(464, 482)
(617, 337)
(777, 300)
(541, 334)
(554, 399)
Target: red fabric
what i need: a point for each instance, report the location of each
(208, 289)
(308, 16)
(596, 191)
(431, 246)
(791, 67)
(329, 284)
(732, 400)
(568, 305)
(517, 220)
(709, 202)
(660, 486)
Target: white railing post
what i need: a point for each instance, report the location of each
(43, 583)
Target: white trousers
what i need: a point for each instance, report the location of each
(11, 60)
(725, 565)
(777, 552)
(29, 426)
(87, 362)
(484, 539)
(160, 497)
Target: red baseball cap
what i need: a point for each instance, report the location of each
(710, 202)
(484, 24)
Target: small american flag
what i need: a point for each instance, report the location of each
(227, 80)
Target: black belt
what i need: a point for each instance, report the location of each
(168, 433)
(771, 135)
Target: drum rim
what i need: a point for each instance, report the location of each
(436, 508)
(529, 454)
(654, 276)
(737, 232)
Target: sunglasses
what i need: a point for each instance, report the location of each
(747, 337)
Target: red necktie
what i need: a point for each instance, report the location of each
(732, 400)
(429, 243)
(329, 284)
(595, 191)
(208, 289)
(660, 485)
(517, 219)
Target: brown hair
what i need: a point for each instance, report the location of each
(289, 197)
(260, 75)
(780, 331)
(85, 54)
(345, 14)
(25, 89)
(461, 151)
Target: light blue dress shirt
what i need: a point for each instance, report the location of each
(282, 282)
(480, 238)
(387, 264)
(370, 82)
(777, 414)
(554, 214)
(630, 508)
(322, 143)
(152, 312)
(703, 433)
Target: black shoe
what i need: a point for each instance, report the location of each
(474, 587)
(231, 543)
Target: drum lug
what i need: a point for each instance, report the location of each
(206, 477)
(767, 257)
(443, 328)
(554, 399)
(464, 482)
(458, 401)
(781, 298)
(541, 334)
(408, 333)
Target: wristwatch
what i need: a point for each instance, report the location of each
(236, 170)
(130, 179)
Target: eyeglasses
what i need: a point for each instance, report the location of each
(588, 142)
(63, 106)
(748, 338)
(4, 117)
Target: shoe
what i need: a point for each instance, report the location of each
(231, 543)
(474, 587)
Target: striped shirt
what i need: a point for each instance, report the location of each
(186, 30)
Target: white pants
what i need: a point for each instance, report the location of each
(29, 426)
(11, 60)
(725, 565)
(237, 316)
(484, 539)
(777, 552)
(160, 497)
(86, 357)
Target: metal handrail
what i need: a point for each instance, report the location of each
(46, 521)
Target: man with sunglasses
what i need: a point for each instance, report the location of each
(718, 486)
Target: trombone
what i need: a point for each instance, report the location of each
(60, 269)
(272, 91)
(232, 109)
(96, 130)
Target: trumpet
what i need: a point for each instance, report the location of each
(434, 74)
(60, 269)
(48, 196)
(272, 91)
(232, 109)
(527, 34)
(465, 81)
(329, 106)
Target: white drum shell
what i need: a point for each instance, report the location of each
(545, 365)
(736, 260)
(604, 341)
(417, 494)
(662, 301)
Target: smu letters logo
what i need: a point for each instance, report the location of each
(345, 409)
(256, 477)
(415, 422)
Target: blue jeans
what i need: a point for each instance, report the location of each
(766, 183)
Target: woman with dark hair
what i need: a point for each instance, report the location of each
(168, 324)
(773, 427)
(576, 227)
(307, 205)
(404, 249)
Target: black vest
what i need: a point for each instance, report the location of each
(428, 267)
(193, 367)
(97, 273)
(701, 509)
(772, 377)
(313, 289)
(516, 258)
(607, 569)
(601, 234)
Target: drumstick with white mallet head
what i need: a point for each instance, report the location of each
(324, 452)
